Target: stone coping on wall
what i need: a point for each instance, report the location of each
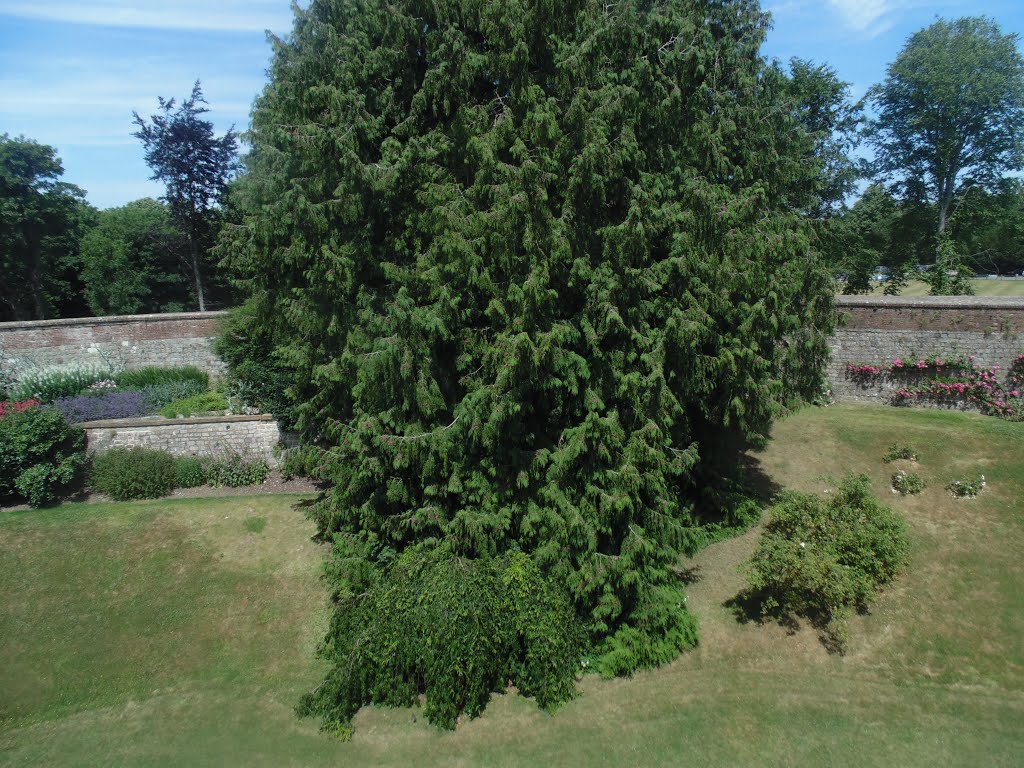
(16, 325)
(160, 421)
(932, 302)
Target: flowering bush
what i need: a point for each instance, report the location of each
(967, 489)
(49, 384)
(15, 406)
(954, 380)
(907, 484)
(112, 404)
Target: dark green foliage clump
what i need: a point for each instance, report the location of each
(41, 456)
(133, 473)
(538, 274)
(153, 376)
(452, 628)
(234, 471)
(255, 375)
(188, 472)
(820, 559)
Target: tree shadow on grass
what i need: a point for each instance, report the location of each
(750, 606)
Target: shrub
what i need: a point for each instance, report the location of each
(967, 489)
(820, 559)
(110, 404)
(151, 376)
(897, 452)
(133, 473)
(160, 396)
(454, 629)
(51, 384)
(41, 455)
(188, 472)
(255, 376)
(235, 471)
(907, 484)
(207, 402)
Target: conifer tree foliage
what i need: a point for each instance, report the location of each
(539, 271)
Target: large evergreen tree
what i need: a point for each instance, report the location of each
(540, 272)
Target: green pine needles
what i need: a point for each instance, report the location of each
(538, 273)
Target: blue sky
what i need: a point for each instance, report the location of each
(72, 71)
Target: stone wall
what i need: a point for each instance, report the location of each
(251, 436)
(131, 341)
(879, 329)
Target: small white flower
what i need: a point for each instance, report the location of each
(803, 545)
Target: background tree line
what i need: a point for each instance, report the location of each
(940, 188)
(61, 257)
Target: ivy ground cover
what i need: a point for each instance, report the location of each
(181, 633)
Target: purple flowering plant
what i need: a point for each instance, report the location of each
(112, 404)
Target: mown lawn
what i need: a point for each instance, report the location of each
(983, 287)
(182, 633)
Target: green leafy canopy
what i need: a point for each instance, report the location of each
(538, 272)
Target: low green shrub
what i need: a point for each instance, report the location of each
(907, 484)
(151, 376)
(41, 455)
(49, 384)
(820, 559)
(256, 376)
(235, 471)
(897, 452)
(454, 629)
(207, 402)
(188, 472)
(133, 473)
(967, 489)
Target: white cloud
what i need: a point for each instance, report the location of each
(864, 15)
(222, 15)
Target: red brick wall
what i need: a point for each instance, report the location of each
(131, 341)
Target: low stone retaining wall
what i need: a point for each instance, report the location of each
(130, 341)
(251, 436)
(879, 329)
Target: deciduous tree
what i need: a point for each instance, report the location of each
(41, 219)
(951, 112)
(131, 261)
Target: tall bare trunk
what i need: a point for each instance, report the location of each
(197, 277)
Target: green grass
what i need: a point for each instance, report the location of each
(984, 287)
(255, 524)
(166, 633)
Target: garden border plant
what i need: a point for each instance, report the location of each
(41, 455)
(823, 558)
(950, 381)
